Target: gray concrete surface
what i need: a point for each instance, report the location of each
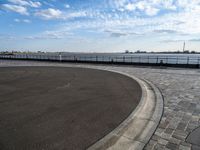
(180, 89)
(62, 108)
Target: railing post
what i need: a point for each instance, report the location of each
(157, 60)
(199, 62)
(188, 59)
(60, 57)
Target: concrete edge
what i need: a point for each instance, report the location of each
(136, 131)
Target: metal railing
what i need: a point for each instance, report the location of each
(151, 60)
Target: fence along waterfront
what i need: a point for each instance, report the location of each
(186, 61)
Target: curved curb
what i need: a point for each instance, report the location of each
(136, 131)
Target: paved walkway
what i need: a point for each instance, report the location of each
(181, 92)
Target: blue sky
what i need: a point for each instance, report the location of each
(99, 25)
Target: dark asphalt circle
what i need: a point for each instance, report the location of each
(44, 108)
(194, 139)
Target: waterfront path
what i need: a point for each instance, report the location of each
(181, 92)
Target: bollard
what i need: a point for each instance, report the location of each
(161, 62)
(60, 57)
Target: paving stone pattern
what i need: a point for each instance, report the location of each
(181, 93)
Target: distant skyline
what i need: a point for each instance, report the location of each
(99, 25)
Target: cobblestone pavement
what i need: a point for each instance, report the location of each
(181, 92)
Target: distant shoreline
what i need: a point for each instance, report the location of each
(29, 52)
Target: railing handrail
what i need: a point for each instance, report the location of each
(187, 60)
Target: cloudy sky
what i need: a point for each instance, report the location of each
(99, 25)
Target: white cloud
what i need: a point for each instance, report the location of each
(15, 8)
(141, 5)
(118, 33)
(67, 6)
(117, 3)
(54, 34)
(27, 21)
(151, 11)
(16, 20)
(149, 7)
(34, 4)
(181, 18)
(130, 7)
(19, 2)
(75, 15)
(26, 3)
(22, 20)
(168, 24)
(169, 4)
(49, 13)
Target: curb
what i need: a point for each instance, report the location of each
(136, 131)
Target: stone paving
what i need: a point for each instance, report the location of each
(181, 93)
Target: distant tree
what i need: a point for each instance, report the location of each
(126, 51)
(186, 51)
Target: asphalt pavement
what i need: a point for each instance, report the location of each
(62, 108)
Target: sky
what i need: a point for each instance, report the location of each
(99, 25)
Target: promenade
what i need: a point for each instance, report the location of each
(181, 92)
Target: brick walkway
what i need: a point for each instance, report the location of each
(181, 92)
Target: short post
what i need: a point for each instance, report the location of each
(199, 62)
(161, 62)
(60, 57)
(157, 60)
(188, 59)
